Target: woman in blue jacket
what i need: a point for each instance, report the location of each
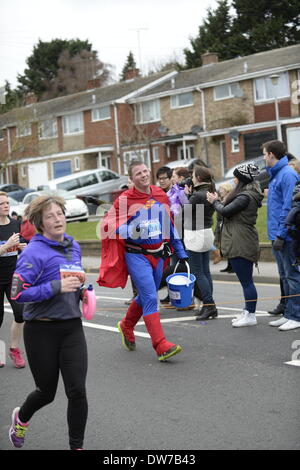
(47, 281)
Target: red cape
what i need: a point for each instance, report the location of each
(113, 269)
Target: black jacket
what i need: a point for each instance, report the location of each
(200, 214)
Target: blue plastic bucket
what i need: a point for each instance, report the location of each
(181, 288)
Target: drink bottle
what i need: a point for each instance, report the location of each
(89, 303)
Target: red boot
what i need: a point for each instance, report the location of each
(126, 326)
(163, 348)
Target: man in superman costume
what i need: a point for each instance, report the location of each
(134, 235)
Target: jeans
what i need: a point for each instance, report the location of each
(199, 263)
(290, 276)
(243, 268)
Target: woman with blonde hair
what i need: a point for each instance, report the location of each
(224, 190)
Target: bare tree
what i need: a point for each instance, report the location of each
(74, 73)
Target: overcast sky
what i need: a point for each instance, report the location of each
(154, 30)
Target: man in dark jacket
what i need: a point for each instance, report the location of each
(282, 183)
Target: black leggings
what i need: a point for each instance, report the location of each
(53, 347)
(16, 308)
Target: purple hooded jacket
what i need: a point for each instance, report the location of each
(37, 279)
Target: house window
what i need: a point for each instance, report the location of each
(182, 100)
(147, 112)
(23, 130)
(48, 129)
(187, 154)
(235, 144)
(1, 134)
(230, 90)
(73, 124)
(77, 164)
(61, 168)
(23, 171)
(264, 90)
(142, 154)
(98, 114)
(105, 161)
(155, 153)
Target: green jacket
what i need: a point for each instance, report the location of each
(239, 237)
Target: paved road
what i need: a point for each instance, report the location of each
(228, 389)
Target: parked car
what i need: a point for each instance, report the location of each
(8, 187)
(76, 210)
(262, 178)
(98, 183)
(20, 193)
(15, 206)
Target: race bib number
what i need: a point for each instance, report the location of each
(151, 227)
(75, 270)
(12, 251)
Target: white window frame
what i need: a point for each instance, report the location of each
(231, 91)
(175, 100)
(235, 144)
(155, 153)
(190, 152)
(77, 164)
(96, 113)
(139, 154)
(66, 124)
(265, 84)
(141, 111)
(49, 124)
(24, 130)
(105, 161)
(23, 171)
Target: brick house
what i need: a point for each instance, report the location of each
(47, 139)
(220, 112)
(223, 111)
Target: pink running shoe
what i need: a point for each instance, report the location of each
(17, 358)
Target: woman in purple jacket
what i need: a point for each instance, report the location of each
(48, 280)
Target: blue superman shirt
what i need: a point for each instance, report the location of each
(150, 226)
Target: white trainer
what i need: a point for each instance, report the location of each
(239, 317)
(248, 319)
(289, 325)
(279, 322)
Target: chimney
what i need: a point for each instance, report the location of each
(30, 98)
(93, 83)
(210, 58)
(132, 73)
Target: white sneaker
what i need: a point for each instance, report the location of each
(239, 317)
(289, 325)
(279, 322)
(247, 319)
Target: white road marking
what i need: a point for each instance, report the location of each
(293, 363)
(110, 298)
(111, 328)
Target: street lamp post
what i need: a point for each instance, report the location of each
(274, 79)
